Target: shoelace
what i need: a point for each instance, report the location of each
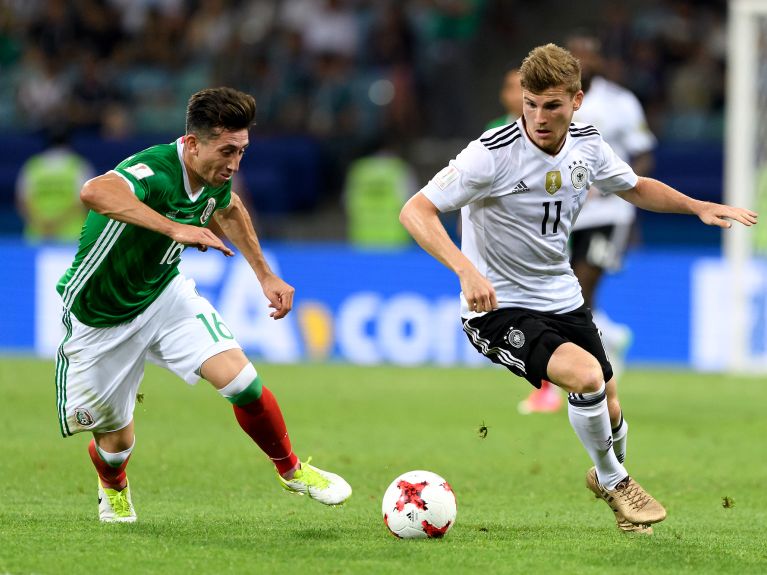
(119, 503)
(634, 495)
(308, 476)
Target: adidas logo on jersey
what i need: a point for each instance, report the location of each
(520, 187)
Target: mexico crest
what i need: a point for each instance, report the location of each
(208, 210)
(83, 417)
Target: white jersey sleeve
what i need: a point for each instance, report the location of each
(466, 179)
(613, 175)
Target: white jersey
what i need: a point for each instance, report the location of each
(618, 116)
(518, 206)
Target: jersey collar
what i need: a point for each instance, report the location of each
(187, 186)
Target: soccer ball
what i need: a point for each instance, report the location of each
(419, 504)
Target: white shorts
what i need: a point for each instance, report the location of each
(99, 369)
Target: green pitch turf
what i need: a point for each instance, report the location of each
(208, 502)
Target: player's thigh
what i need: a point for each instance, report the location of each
(516, 338)
(98, 372)
(191, 331)
(578, 327)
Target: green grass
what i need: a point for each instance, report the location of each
(208, 502)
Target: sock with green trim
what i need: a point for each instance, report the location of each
(259, 415)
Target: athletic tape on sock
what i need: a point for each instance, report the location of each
(115, 459)
(244, 388)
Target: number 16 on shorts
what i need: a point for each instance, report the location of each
(216, 328)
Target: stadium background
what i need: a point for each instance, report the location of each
(332, 79)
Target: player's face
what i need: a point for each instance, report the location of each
(215, 160)
(548, 116)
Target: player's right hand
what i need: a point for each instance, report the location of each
(201, 238)
(478, 291)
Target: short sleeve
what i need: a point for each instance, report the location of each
(139, 176)
(466, 179)
(613, 175)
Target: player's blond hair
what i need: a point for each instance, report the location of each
(550, 66)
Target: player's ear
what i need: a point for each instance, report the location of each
(578, 100)
(191, 142)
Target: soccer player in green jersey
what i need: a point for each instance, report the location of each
(510, 98)
(125, 300)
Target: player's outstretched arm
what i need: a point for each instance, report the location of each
(421, 219)
(653, 195)
(236, 224)
(110, 196)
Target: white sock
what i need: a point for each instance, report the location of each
(115, 459)
(591, 422)
(620, 436)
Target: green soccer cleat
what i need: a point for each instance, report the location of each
(115, 506)
(323, 486)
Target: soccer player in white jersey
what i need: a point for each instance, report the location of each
(519, 189)
(600, 236)
(125, 301)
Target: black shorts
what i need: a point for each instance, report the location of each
(602, 246)
(524, 340)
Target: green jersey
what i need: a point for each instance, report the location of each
(120, 269)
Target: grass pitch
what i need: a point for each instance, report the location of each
(207, 500)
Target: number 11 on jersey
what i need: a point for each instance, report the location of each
(546, 209)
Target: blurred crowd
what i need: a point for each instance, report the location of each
(401, 76)
(672, 55)
(330, 68)
(336, 69)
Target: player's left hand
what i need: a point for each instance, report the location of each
(279, 294)
(720, 215)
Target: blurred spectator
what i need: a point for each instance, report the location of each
(510, 98)
(332, 29)
(391, 54)
(377, 186)
(209, 28)
(54, 30)
(48, 191)
(93, 95)
(11, 39)
(448, 29)
(98, 28)
(44, 89)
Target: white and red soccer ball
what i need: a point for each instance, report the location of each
(419, 504)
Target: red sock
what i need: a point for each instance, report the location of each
(262, 420)
(545, 384)
(111, 477)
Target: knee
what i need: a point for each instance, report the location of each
(588, 377)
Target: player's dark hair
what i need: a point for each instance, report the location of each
(550, 66)
(213, 110)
